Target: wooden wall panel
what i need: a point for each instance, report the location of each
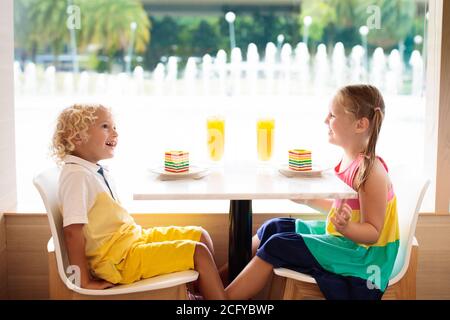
(2, 233)
(433, 277)
(27, 232)
(28, 287)
(27, 236)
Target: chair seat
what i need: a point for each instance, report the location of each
(303, 286)
(150, 284)
(294, 275)
(291, 274)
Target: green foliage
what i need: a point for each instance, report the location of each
(322, 14)
(332, 21)
(340, 20)
(22, 26)
(40, 26)
(105, 25)
(96, 62)
(183, 37)
(165, 40)
(205, 38)
(261, 28)
(397, 19)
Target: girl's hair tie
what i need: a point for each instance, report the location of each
(377, 109)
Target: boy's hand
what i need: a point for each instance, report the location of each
(342, 217)
(97, 284)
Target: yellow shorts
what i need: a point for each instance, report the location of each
(160, 250)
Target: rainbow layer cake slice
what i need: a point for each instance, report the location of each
(176, 161)
(300, 160)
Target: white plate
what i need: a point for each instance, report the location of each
(286, 171)
(193, 173)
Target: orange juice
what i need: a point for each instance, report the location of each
(216, 137)
(265, 135)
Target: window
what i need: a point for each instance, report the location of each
(165, 68)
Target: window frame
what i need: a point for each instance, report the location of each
(437, 134)
(437, 113)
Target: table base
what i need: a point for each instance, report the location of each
(240, 237)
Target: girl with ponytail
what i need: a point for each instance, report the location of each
(352, 253)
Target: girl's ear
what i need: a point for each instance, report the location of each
(362, 125)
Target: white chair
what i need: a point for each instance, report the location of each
(288, 284)
(168, 286)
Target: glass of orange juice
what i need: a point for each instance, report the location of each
(215, 126)
(265, 128)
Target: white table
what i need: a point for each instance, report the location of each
(242, 183)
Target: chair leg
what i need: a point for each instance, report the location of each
(288, 289)
(277, 287)
(405, 289)
(299, 290)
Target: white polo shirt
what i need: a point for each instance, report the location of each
(109, 230)
(79, 185)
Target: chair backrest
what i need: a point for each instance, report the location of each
(410, 191)
(47, 184)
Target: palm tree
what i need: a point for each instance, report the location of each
(40, 24)
(104, 23)
(107, 25)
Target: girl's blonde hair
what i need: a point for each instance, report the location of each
(73, 121)
(364, 101)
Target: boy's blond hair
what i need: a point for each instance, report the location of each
(73, 121)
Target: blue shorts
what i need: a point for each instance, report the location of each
(282, 247)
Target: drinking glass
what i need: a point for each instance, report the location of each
(216, 137)
(265, 128)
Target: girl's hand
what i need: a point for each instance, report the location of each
(301, 201)
(97, 284)
(342, 217)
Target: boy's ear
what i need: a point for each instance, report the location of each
(362, 125)
(77, 140)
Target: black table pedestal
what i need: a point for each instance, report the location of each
(240, 236)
